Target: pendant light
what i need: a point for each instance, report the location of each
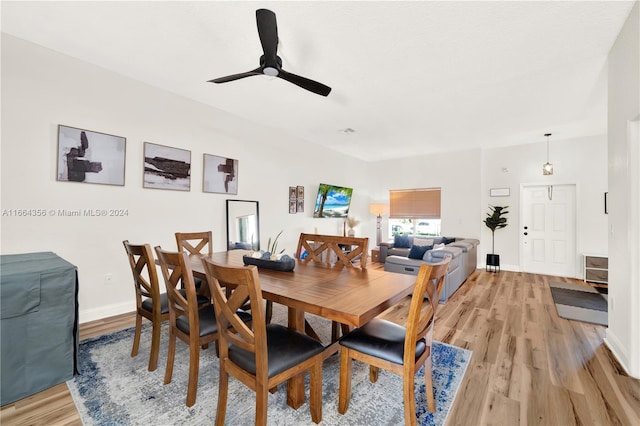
(547, 168)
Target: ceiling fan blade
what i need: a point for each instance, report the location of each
(305, 83)
(268, 32)
(257, 71)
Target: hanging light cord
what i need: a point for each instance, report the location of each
(547, 135)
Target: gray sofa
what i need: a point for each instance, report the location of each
(461, 251)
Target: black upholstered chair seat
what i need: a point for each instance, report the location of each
(286, 348)
(202, 300)
(382, 339)
(207, 319)
(147, 304)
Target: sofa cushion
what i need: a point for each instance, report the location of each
(422, 241)
(417, 252)
(398, 252)
(401, 241)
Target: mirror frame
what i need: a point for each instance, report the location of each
(256, 245)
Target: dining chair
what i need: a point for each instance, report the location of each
(261, 356)
(401, 350)
(193, 324)
(150, 303)
(337, 251)
(195, 243)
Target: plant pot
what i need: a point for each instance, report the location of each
(493, 263)
(276, 265)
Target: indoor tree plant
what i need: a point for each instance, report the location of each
(495, 220)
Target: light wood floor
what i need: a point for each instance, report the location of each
(529, 367)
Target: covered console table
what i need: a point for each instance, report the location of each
(38, 323)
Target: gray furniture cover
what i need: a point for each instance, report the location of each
(38, 323)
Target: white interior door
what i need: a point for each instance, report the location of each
(548, 230)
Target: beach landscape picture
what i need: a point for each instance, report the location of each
(332, 201)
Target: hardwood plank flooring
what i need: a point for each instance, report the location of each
(529, 366)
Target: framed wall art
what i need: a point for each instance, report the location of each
(90, 157)
(166, 167)
(292, 193)
(220, 175)
(292, 206)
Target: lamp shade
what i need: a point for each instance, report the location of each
(378, 209)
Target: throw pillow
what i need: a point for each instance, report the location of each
(446, 240)
(438, 246)
(401, 241)
(417, 252)
(422, 241)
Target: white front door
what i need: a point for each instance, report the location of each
(548, 230)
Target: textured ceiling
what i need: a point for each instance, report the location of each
(409, 78)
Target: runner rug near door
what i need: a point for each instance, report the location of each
(115, 389)
(579, 302)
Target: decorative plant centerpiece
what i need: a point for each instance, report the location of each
(351, 222)
(495, 220)
(270, 259)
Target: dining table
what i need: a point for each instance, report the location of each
(350, 296)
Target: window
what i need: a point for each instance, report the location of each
(414, 211)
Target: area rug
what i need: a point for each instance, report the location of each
(579, 302)
(115, 389)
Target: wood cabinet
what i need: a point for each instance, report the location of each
(375, 255)
(596, 268)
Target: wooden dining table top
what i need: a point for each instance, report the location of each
(350, 296)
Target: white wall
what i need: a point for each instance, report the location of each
(582, 162)
(623, 334)
(466, 177)
(458, 174)
(42, 88)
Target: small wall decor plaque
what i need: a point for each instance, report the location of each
(499, 192)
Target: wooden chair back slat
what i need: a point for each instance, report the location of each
(195, 242)
(320, 247)
(145, 277)
(420, 321)
(244, 284)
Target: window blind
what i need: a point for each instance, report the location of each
(414, 203)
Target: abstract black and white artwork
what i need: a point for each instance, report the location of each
(166, 167)
(90, 157)
(220, 175)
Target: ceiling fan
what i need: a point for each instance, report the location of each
(270, 62)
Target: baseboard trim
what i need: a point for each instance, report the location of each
(618, 350)
(105, 312)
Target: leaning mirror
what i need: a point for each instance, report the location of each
(243, 225)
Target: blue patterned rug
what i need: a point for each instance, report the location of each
(115, 389)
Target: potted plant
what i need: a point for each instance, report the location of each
(270, 259)
(495, 220)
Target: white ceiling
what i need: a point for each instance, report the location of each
(410, 78)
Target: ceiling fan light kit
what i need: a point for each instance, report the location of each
(270, 62)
